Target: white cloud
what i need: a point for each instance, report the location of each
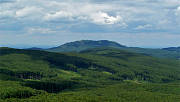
(177, 11)
(38, 30)
(28, 11)
(6, 13)
(140, 27)
(58, 15)
(104, 18)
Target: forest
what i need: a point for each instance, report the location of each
(93, 75)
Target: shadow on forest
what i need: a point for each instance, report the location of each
(50, 87)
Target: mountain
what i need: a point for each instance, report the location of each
(106, 74)
(83, 45)
(78, 46)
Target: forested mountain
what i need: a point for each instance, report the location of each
(83, 45)
(92, 75)
(78, 46)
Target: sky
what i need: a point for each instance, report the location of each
(49, 23)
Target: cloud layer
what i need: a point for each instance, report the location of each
(43, 17)
(156, 13)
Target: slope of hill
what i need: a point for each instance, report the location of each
(91, 75)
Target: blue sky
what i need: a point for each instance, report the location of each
(48, 23)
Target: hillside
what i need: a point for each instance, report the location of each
(78, 46)
(91, 75)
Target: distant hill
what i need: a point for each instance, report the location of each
(79, 46)
(83, 45)
(160, 53)
(176, 49)
(34, 48)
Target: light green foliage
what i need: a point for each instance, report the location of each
(11, 89)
